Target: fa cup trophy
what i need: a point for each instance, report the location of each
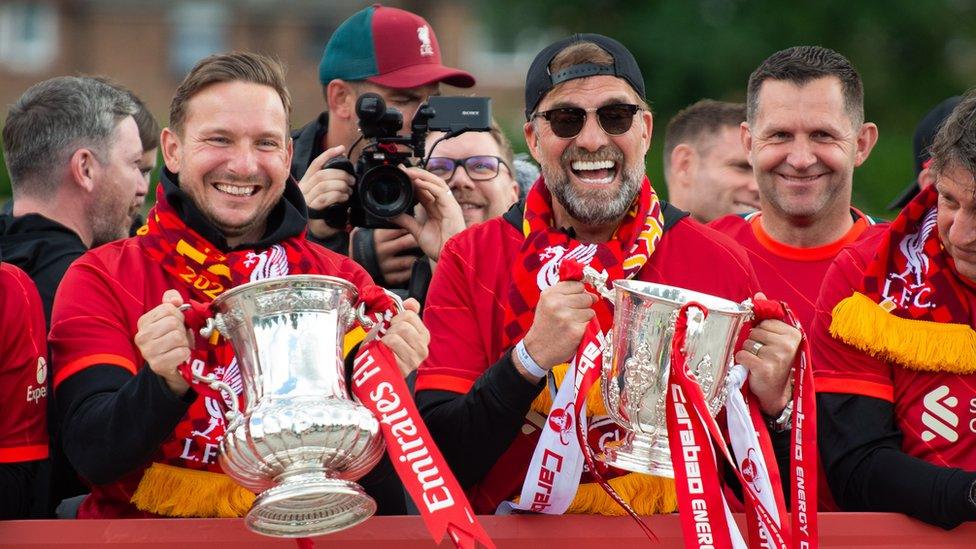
(300, 442)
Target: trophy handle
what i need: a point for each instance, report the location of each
(229, 397)
(607, 354)
(599, 282)
(197, 319)
(367, 322)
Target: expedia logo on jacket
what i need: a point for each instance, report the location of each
(36, 393)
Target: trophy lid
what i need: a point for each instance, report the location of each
(308, 281)
(676, 296)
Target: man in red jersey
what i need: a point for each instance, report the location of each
(805, 134)
(226, 214)
(499, 317)
(895, 364)
(23, 392)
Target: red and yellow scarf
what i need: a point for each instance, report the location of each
(912, 309)
(545, 246)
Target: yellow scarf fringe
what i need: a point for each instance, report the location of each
(594, 400)
(647, 494)
(915, 344)
(178, 492)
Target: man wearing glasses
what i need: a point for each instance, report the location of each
(478, 168)
(500, 319)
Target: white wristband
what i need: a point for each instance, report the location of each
(528, 363)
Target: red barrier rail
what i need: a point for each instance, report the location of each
(847, 530)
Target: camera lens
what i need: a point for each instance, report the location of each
(386, 192)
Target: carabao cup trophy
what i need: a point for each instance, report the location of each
(636, 363)
(301, 441)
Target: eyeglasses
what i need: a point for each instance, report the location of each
(567, 122)
(478, 168)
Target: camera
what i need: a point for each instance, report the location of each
(382, 191)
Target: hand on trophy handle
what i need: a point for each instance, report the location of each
(561, 317)
(407, 337)
(768, 354)
(599, 282)
(375, 298)
(164, 341)
(196, 318)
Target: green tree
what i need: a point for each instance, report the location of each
(911, 55)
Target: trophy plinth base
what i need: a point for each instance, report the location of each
(309, 504)
(640, 453)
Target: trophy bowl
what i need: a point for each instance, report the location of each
(636, 365)
(300, 441)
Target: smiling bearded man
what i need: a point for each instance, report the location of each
(500, 319)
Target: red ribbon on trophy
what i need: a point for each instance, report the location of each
(378, 384)
(589, 363)
(380, 387)
(703, 513)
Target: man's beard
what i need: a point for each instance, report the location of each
(108, 225)
(598, 206)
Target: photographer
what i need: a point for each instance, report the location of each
(395, 54)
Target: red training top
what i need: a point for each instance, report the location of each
(23, 369)
(465, 308)
(787, 273)
(935, 411)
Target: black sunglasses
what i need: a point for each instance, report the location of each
(567, 122)
(479, 168)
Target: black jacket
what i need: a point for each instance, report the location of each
(41, 247)
(308, 145)
(114, 421)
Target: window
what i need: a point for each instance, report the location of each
(198, 29)
(28, 36)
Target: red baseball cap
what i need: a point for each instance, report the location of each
(390, 47)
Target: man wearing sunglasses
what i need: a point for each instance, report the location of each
(393, 53)
(501, 320)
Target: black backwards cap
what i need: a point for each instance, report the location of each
(925, 132)
(538, 81)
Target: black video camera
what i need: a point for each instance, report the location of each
(382, 191)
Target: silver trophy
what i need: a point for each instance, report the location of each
(301, 441)
(636, 363)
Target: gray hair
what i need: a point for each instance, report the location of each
(52, 120)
